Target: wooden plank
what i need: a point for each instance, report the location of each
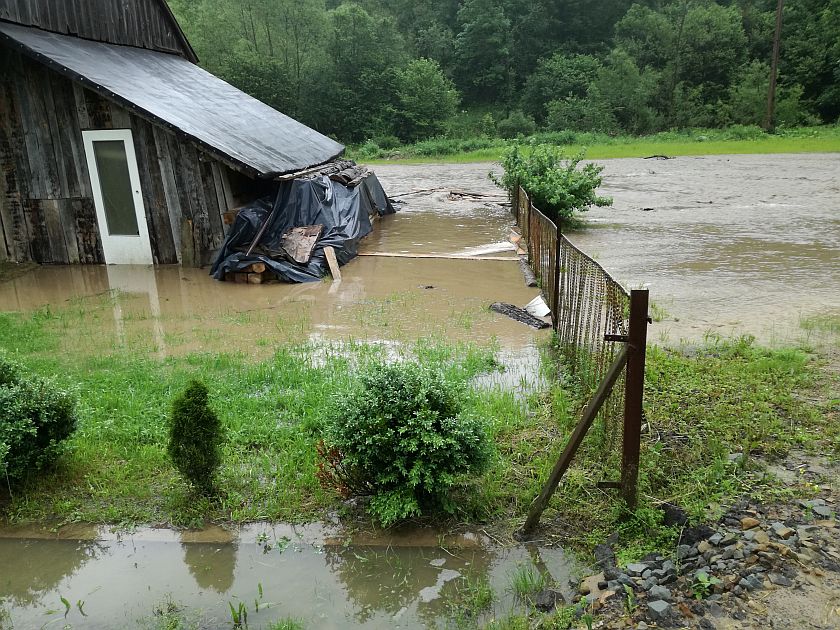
(154, 197)
(88, 241)
(81, 105)
(170, 191)
(13, 172)
(36, 227)
(55, 231)
(335, 271)
(565, 459)
(211, 203)
(98, 111)
(192, 182)
(440, 256)
(67, 221)
(72, 161)
(120, 116)
(255, 278)
(56, 148)
(221, 199)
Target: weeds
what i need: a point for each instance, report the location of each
(526, 581)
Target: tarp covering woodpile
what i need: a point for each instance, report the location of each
(288, 233)
(178, 94)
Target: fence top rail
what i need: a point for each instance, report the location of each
(600, 267)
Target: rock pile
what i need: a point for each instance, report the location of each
(714, 570)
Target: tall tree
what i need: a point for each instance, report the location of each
(483, 51)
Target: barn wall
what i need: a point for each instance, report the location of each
(141, 23)
(47, 213)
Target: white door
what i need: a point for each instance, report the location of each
(116, 194)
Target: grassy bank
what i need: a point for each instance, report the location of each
(736, 140)
(702, 407)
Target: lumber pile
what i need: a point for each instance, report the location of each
(255, 273)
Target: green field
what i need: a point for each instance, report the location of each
(742, 140)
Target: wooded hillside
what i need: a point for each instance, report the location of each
(403, 70)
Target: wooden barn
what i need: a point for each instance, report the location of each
(115, 147)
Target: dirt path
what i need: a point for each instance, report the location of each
(727, 244)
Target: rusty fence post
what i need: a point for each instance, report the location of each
(633, 395)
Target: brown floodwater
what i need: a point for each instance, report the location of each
(739, 244)
(318, 574)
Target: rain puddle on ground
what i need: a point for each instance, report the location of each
(316, 574)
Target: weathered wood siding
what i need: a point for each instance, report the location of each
(46, 208)
(141, 23)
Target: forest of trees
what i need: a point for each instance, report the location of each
(405, 70)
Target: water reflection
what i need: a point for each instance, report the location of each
(31, 568)
(213, 565)
(404, 579)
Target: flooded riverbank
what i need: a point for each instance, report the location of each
(746, 244)
(317, 574)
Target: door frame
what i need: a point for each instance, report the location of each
(119, 249)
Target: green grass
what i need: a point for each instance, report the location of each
(701, 404)
(736, 140)
(526, 582)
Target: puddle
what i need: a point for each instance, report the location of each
(729, 244)
(314, 573)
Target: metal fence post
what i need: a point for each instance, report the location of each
(633, 395)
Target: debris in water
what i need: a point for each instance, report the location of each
(537, 307)
(519, 314)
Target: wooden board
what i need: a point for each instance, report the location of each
(299, 242)
(329, 252)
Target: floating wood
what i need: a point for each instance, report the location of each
(518, 314)
(299, 242)
(335, 272)
(440, 256)
(257, 267)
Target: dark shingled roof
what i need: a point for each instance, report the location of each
(179, 95)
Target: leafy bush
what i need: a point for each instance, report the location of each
(195, 437)
(516, 124)
(37, 418)
(400, 435)
(425, 98)
(555, 184)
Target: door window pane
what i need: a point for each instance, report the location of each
(112, 164)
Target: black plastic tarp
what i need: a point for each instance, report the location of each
(344, 212)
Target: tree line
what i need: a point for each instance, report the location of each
(405, 70)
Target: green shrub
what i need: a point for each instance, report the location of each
(516, 124)
(555, 184)
(195, 437)
(37, 417)
(400, 435)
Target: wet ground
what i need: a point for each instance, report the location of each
(728, 245)
(315, 574)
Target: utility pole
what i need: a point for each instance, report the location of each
(770, 121)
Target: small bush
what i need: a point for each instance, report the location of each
(400, 435)
(516, 124)
(195, 437)
(37, 417)
(555, 184)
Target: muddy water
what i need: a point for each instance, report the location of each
(726, 244)
(169, 310)
(315, 573)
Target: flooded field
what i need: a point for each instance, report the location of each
(726, 244)
(315, 574)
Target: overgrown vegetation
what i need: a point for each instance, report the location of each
(195, 437)
(36, 417)
(518, 65)
(552, 180)
(401, 434)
